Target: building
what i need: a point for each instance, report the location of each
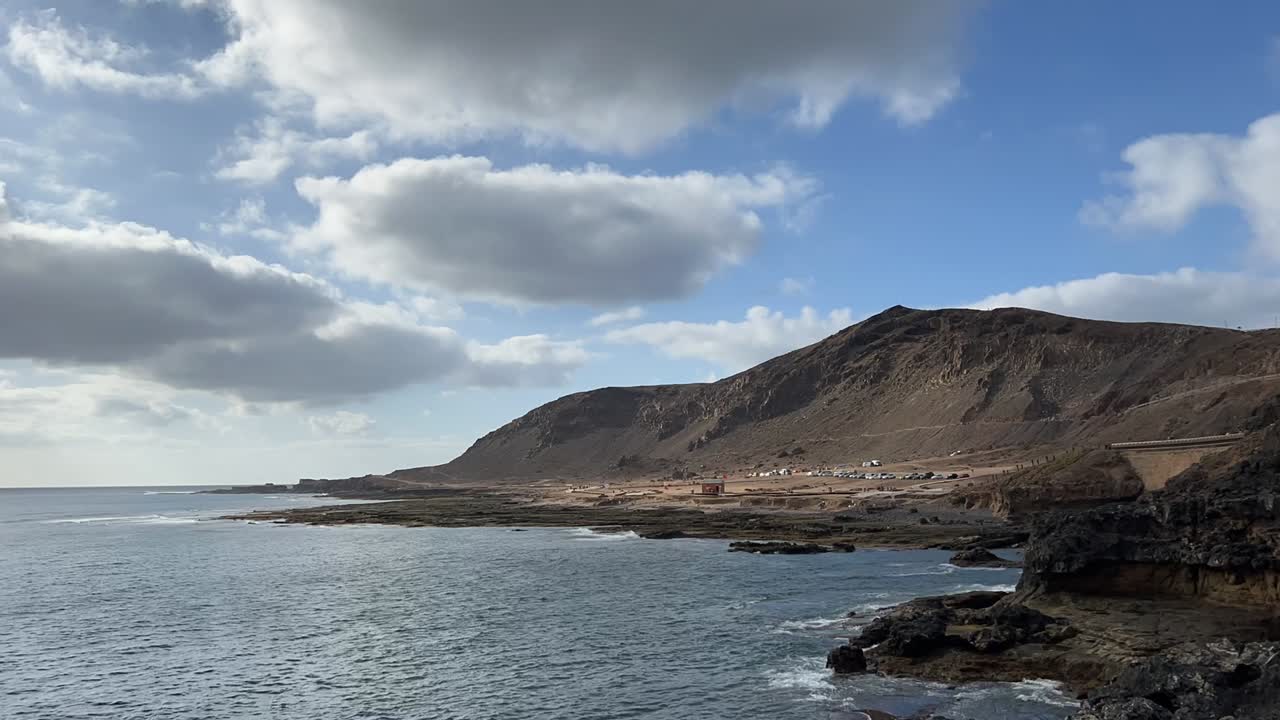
(713, 487)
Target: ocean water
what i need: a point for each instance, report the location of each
(134, 603)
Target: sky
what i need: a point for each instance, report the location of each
(249, 241)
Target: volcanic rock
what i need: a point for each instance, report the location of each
(979, 557)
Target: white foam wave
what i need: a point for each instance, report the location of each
(978, 587)
(794, 627)
(589, 534)
(989, 569)
(125, 519)
(803, 676)
(943, 569)
(1047, 692)
(170, 492)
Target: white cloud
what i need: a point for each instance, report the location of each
(796, 286)
(71, 58)
(1185, 296)
(631, 314)
(736, 346)
(72, 203)
(341, 422)
(436, 309)
(91, 407)
(536, 234)
(262, 155)
(599, 75)
(249, 218)
(523, 360)
(1172, 177)
(136, 299)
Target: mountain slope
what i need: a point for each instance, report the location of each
(902, 384)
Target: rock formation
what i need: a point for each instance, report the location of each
(1212, 534)
(1162, 608)
(981, 557)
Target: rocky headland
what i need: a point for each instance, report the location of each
(1166, 607)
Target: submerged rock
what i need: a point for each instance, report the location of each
(777, 548)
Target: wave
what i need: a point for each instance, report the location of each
(807, 675)
(796, 627)
(978, 587)
(942, 569)
(988, 569)
(170, 492)
(1046, 692)
(126, 519)
(589, 534)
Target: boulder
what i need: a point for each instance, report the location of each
(846, 660)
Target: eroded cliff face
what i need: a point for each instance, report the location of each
(1069, 480)
(1212, 534)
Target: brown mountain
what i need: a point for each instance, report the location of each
(900, 385)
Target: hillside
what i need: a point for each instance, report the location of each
(902, 384)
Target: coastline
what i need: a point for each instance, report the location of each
(900, 528)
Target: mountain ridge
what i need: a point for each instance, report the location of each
(901, 384)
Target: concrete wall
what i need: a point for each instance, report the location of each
(1156, 465)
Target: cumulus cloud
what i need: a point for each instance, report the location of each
(1187, 296)
(536, 234)
(342, 422)
(261, 155)
(599, 75)
(1172, 177)
(631, 314)
(159, 307)
(70, 58)
(736, 346)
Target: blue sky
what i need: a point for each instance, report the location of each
(252, 241)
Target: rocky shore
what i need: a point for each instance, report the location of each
(466, 507)
(1162, 608)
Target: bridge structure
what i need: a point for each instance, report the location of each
(1156, 461)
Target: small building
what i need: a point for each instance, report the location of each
(713, 487)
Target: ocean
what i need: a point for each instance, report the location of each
(136, 603)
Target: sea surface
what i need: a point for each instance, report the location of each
(137, 603)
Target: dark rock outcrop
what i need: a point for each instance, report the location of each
(1214, 680)
(1212, 534)
(980, 557)
(984, 623)
(788, 548)
(846, 660)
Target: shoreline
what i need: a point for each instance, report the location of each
(902, 528)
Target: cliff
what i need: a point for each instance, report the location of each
(1212, 534)
(902, 384)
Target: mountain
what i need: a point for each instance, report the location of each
(902, 384)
